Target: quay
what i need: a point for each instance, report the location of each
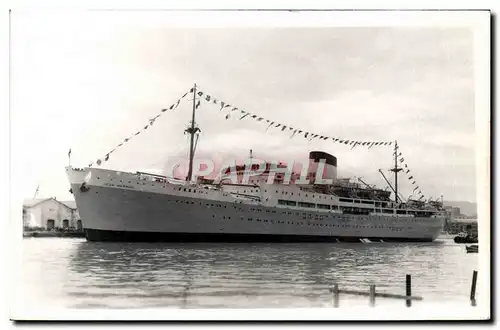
(44, 233)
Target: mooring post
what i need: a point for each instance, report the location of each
(408, 290)
(372, 295)
(335, 295)
(473, 289)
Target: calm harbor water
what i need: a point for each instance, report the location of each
(73, 273)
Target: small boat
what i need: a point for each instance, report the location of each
(472, 249)
(465, 238)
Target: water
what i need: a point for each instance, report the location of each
(73, 273)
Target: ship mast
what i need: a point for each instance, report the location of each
(192, 130)
(396, 169)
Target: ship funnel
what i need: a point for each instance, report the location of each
(330, 167)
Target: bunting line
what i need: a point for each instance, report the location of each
(410, 176)
(296, 131)
(229, 109)
(150, 123)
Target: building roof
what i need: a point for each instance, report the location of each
(33, 202)
(28, 203)
(70, 204)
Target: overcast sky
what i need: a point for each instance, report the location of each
(86, 81)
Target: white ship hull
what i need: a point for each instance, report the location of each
(117, 206)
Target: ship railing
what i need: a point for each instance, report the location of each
(159, 178)
(245, 196)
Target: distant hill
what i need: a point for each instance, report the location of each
(466, 208)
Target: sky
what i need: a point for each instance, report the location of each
(87, 80)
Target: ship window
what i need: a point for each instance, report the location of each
(305, 204)
(286, 202)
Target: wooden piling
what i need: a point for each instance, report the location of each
(473, 289)
(372, 295)
(408, 290)
(335, 292)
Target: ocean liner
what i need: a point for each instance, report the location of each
(124, 206)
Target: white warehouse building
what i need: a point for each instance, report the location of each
(49, 213)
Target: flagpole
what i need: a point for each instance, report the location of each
(396, 170)
(69, 158)
(36, 191)
(192, 132)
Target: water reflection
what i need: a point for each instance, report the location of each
(260, 275)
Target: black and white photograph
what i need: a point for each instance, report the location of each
(250, 165)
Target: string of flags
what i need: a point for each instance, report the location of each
(409, 175)
(232, 111)
(144, 128)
